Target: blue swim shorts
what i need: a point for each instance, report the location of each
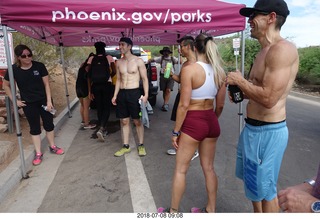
(259, 156)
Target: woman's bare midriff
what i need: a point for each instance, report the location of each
(204, 104)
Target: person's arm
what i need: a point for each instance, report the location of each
(46, 83)
(185, 96)
(117, 85)
(276, 76)
(7, 89)
(112, 65)
(220, 99)
(144, 77)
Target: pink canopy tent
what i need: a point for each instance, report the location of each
(151, 22)
(84, 22)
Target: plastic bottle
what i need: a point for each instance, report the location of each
(52, 111)
(168, 70)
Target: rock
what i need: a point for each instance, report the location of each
(3, 120)
(6, 149)
(3, 128)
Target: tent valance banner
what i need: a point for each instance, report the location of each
(147, 22)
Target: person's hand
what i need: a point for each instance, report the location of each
(295, 200)
(91, 96)
(114, 101)
(21, 103)
(175, 140)
(49, 106)
(144, 99)
(233, 77)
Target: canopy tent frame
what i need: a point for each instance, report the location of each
(36, 21)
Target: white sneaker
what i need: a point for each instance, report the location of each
(171, 151)
(196, 154)
(100, 136)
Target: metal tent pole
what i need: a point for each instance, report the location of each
(14, 102)
(242, 72)
(65, 78)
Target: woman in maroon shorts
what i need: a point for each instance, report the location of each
(201, 102)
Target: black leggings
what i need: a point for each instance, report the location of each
(102, 95)
(33, 112)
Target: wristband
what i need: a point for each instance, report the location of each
(311, 182)
(176, 134)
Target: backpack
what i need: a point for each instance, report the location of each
(100, 71)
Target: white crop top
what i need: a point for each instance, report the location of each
(208, 90)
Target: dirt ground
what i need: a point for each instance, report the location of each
(58, 92)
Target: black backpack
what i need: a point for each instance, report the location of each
(100, 71)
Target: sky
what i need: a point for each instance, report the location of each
(303, 24)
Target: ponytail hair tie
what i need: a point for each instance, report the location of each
(207, 39)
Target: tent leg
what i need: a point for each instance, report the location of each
(242, 72)
(14, 102)
(65, 81)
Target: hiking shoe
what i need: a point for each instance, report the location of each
(172, 152)
(198, 210)
(165, 107)
(56, 150)
(196, 154)
(89, 126)
(142, 151)
(37, 159)
(122, 151)
(100, 136)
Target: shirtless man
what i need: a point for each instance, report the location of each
(265, 136)
(130, 70)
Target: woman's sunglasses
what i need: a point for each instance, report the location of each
(25, 56)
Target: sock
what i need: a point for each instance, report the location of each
(140, 145)
(126, 146)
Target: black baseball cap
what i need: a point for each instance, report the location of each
(278, 6)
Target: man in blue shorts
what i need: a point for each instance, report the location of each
(264, 138)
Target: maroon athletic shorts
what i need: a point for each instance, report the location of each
(201, 124)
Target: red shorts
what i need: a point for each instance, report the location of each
(201, 124)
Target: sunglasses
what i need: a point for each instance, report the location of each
(254, 14)
(25, 56)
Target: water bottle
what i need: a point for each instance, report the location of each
(52, 111)
(168, 70)
(236, 93)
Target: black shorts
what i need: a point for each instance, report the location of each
(128, 103)
(82, 92)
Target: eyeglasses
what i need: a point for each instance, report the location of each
(254, 14)
(25, 56)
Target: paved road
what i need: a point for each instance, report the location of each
(88, 178)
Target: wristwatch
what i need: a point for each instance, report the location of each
(311, 182)
(315, 207)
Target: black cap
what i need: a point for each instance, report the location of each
(278, 6)
(126, 40)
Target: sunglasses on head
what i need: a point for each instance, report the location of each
(25, 56)
(254, 14)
